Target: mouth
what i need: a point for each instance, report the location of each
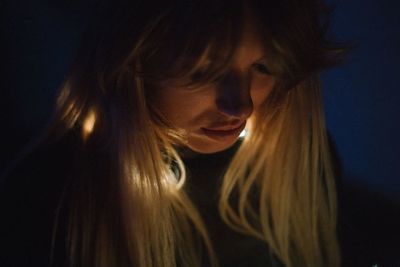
(222, 133)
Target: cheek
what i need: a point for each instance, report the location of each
(183, 108)
(261, 90)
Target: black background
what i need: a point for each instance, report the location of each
(362, 100)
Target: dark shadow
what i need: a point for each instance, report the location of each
(369, 227)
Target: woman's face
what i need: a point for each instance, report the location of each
(212, 116)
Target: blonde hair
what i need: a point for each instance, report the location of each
(286, 161)
(126, 202)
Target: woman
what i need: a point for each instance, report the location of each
(148, 121)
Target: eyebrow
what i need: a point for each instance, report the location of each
(262, 58)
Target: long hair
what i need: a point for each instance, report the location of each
(126, 202)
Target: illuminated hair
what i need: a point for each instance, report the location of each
(126, 205)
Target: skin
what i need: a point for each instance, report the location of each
(212, 116)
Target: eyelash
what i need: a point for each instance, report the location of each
(259, 67)
(197, 76)
(262, 68)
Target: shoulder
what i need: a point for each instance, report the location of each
(39, 170)
(30, 192)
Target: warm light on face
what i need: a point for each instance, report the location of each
(214, 115)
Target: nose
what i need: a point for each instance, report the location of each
(234, 98)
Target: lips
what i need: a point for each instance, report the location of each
(224, 132)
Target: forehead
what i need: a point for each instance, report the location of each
(250, 46)
(222, 37)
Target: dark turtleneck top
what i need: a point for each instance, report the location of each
(30, 193)
(204, 177)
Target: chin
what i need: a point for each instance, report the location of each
(209, 147)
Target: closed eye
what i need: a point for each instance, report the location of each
(262, 68)
(198, 76)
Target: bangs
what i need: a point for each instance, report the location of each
(194, 42)
(295, 35)
(195, 45)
